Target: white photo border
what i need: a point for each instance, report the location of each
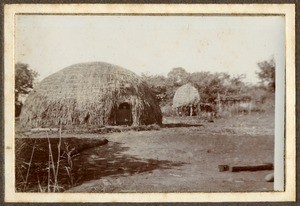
(285, 120)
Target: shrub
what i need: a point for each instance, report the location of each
(168, 111)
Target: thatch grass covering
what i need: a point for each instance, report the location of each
(88, 93)
(186, 95)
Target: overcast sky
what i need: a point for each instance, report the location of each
(150, 44)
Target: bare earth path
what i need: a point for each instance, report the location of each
(196, 153)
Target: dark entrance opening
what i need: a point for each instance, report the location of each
(123, 116)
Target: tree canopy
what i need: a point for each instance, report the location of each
(214, 85)
(267, 73)
(178, 76)
(24, 82)
(209, 85)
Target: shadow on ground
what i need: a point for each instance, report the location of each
(81, 160)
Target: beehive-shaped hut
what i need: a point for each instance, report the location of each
(91, 93)
(186, 96)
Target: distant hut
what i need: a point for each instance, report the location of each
(186, 99)
(91, 93)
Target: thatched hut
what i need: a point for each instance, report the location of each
(94, 93)
(186, 99)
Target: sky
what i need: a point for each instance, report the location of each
(151, 44)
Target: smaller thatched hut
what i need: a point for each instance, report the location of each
(186, 99)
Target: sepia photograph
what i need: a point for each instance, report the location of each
(149, 102)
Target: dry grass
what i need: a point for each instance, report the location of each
(52, 166)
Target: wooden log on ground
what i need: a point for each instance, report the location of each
(268, 166)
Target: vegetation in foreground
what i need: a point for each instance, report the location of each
(56, 165)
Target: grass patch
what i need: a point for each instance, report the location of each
(46, 164)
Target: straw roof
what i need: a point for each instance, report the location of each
(186, 95)
(87, 93)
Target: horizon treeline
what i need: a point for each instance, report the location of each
(214, 85)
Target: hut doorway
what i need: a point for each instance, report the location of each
(123, 116)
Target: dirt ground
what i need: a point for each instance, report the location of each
(243, 140)
(179, 159)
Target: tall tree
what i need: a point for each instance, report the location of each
(24, 82)
(210, 85)
(267, 73)
(178, 76)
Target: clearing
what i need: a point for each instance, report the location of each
(183, 156)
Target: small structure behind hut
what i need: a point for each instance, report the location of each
(186, 100)
(234, 104)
